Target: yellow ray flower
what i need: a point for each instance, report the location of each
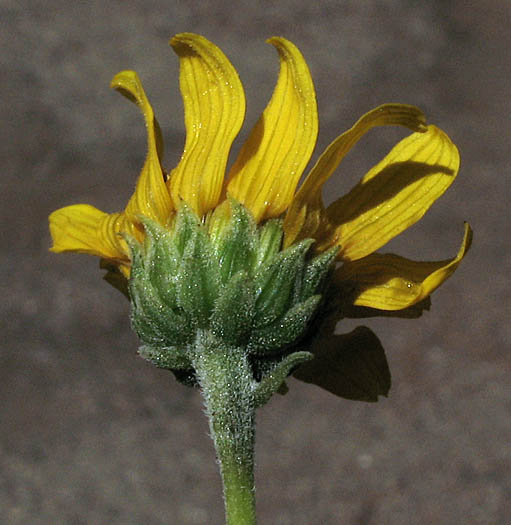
(83, 228)
(391, 282)
(214, 105)
(391, 197)
(268, 168)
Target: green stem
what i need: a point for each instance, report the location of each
(226, 380)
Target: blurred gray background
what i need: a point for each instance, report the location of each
(92, 434)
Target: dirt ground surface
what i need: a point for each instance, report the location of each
(90, 433)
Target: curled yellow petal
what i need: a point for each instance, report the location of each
(151, 197)
(393, 195)
(214, 104)
(306, 212)
(390, 282)
(267, 170)
(85, 229)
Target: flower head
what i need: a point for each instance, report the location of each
(392, 196)
(233, 277)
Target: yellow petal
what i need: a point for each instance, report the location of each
(214, 104)
(306, 212)
(394, 194)
(151, 197)
(267, 170)
(390, 282)
(85, 229)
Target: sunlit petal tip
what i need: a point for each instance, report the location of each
(151, 197)
(214, 104)
(448, 153)
(128, 83)
(271, 162)
(444, 268)
(273, 39)
(394, 114)
(391, 282)
(193, 44)
(467, 240)
(189, 39)
(283, 45)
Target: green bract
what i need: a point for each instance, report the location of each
(229, 279)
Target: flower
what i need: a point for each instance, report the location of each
(392, 196)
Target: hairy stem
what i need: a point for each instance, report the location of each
(227, 386)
